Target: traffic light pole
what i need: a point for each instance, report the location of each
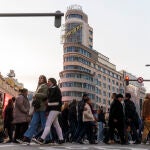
(137, 80)
(57, 16)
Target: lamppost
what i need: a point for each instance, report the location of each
(58, 14)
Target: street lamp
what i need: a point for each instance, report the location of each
(58, 14)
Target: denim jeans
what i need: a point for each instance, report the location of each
(100, 135)
(38, 117)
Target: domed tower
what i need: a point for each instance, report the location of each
(76, 77)
(85, 69)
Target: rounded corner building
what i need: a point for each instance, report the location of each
(84, 69)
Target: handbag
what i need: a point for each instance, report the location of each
(36, 104)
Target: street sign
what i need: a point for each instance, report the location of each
(140, 79)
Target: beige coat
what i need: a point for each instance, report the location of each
(21, 110)
(87, 113)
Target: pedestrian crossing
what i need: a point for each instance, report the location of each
(75, 147)
(91, 148)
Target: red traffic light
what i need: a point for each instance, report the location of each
(127, 80)
(126, 77)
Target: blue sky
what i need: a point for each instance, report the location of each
(31, 46)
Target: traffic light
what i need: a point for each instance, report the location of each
(57, 21)
(127, 80)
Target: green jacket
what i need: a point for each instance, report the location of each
(41, 96)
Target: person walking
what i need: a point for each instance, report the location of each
(54, 107)
(146, 118)
(39, 115)
(88, 119)
(132, 118)
(109, 135)
(101, 122)
(117, 118)
(8, 118)
(72, 117)
(1, 119)
(80, 127)
(21, 114)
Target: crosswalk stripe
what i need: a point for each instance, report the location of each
(6, 145)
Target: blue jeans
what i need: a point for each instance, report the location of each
(38, 117)
(100, 135)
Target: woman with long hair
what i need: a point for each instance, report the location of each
(54, 107)
(39, 103)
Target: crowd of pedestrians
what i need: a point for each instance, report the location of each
(54, 121)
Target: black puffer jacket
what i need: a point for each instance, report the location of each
(54, 99)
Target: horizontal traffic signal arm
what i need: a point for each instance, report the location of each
(136, 80)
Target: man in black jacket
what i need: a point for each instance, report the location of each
(79, 133)
(132, 118)
(117, 117)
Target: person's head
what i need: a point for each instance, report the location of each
(88, 100)
(119, 97)
(100, 109)
(52, 82)
(42, 80)
(113, 96)
(10, 102)
(13, 99)
(74, 101)
(147, 96)
(24, 91)
(85, 96)
(127, 95)
(66, 105)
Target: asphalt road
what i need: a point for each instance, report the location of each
(69, 146)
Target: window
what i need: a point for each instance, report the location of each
(74, 16)
(104, 78)
(90, 46)
(91, 32)
(77, 50)
(90, 39)
(104, 85)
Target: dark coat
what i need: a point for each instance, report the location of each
(101, 117)
(54, 98)
(130, 112)
(8, 118)
(117, 113)
(81, 105)
(72, 111)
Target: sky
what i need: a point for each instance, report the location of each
(32, 46)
